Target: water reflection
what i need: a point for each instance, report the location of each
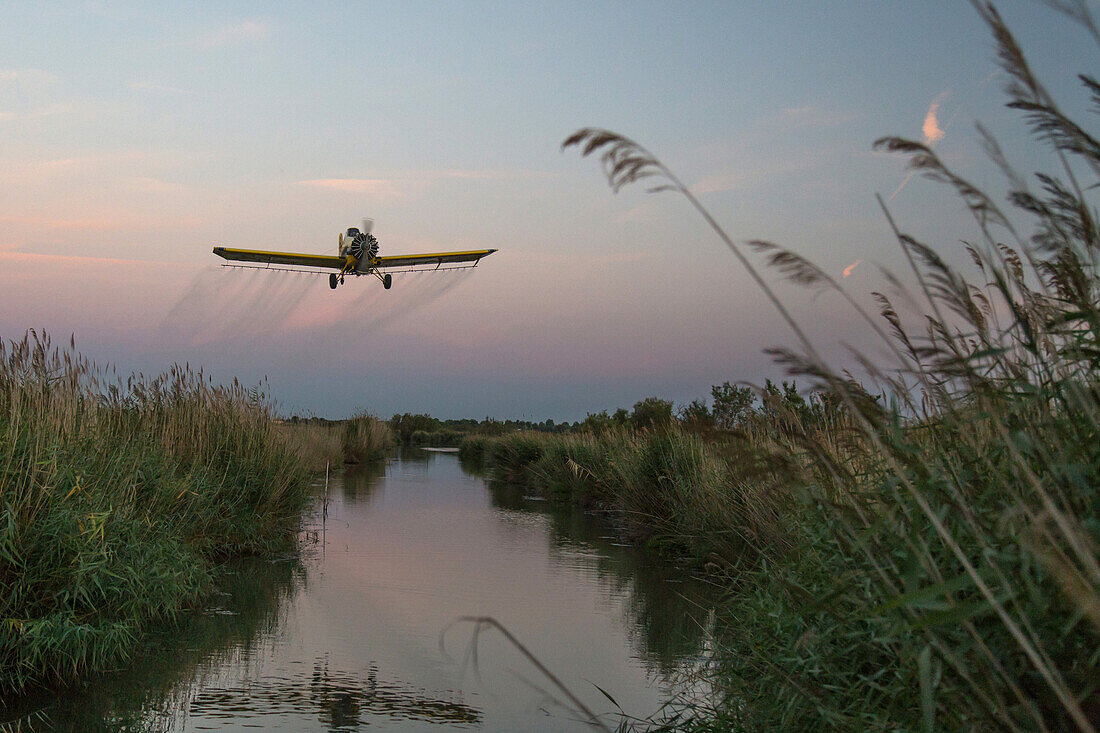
(358, 483)
(151, 692)
(668, 611)
(347, 635)
(341, 700)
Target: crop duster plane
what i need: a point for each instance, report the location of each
(356, 254)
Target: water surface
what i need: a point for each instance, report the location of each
(364, 629)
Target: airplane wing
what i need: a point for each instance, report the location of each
(439, 258)
(280, 258)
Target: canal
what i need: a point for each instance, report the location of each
(369, 625)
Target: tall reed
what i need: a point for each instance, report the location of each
(115, 497)
(673, 491)
(366, 438)
(945, 570)
(316, 445)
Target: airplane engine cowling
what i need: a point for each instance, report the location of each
(363, 246)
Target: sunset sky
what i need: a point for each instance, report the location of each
(134, 137)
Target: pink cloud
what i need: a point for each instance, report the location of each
(107, 165)
(101, 223)
(851, 268)
(931, 129)
(393, 182)
(932, 132)
(351, 185)
(35, 257)
(27, 77)
(386, 189)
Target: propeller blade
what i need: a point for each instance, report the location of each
(368, 224)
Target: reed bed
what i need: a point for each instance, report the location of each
(325, 444)
(675, 494)
(941, 566)
(318, 446)
(115, 498)
(365, 439)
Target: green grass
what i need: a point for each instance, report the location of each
(672, 490)
(116, 498)
(939, 565)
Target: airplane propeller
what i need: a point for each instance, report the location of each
(361, 242)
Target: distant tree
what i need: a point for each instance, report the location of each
(596, 422)
(621, 418)
(732, 405)
(788, 410)
(406, 424)
(651, 412)
(489, 426)
(695, 416)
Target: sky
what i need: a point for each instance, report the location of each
(136, 136)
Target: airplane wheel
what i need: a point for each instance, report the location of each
(332, 281)
(387, 281)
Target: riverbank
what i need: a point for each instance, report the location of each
(921, 552)
(322, 444)
(842, 595)
(672, 490)
(116, 499)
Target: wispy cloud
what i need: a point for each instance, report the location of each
(104, 222)
(406, 184)
(15, 256)
(931, 129)
(145, 86)
(851, 268)
(107, 164)
(388, 189)
(155, 185)
(35, 78)
(248, 30)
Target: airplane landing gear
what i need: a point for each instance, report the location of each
(387, 281)
(332, 281)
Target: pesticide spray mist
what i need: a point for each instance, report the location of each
(266, 308)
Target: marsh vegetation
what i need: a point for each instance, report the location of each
(322, 444)
(918, 550)
(116, 499)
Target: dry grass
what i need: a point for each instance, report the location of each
(946, 570)
(316, 445)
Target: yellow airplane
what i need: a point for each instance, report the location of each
(357, 254)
